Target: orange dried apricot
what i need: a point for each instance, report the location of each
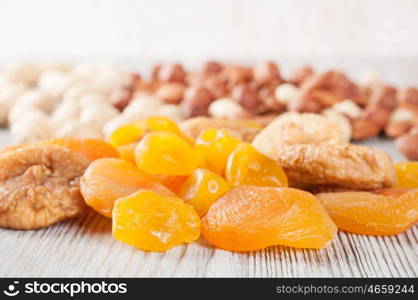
(127, 152)
(129, 133)
(202, 188)
(214, 147)
(252, 218)
(108, 179)
(384, 212)
(165, 124)
(407, 173)
(91, 149)
(152, 222)
(165, 153)
(246, 166)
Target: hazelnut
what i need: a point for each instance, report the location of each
(369, 79)
(171, 92)
(226, 108)
(155, 72)
(383, 96)
(300, 75)
(237, 74)
(212, 67)
(172, 73)
(217, 86)
(246, 96)
(380, 117)
(409, 96)
(267, 73)
(363, 129)
(408, 145)
(397, 129)
(269, 102)
(304, 102)
(286, 92)
(196, 102)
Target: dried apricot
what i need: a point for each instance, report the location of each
(91, 149)
(152, 222)
(108, 179)
(251, 218)
(165, 153)
(173, 182)
(407, 173)
(202, 188)
(384, 212)
(127, 152)
(247, 166)
(40, 186)
(214, 147)
(129, 133)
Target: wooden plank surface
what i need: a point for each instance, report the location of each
(84, 247)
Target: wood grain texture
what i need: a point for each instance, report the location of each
(84, 247)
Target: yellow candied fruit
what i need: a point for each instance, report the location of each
(213, 147)
(127, 134)
(153, 222)
(246, 166)
(202, 188)
(407, 173)
(165, 153)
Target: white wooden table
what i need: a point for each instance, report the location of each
(84, 247)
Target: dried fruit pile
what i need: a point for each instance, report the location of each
(40, 101)
(163, 186)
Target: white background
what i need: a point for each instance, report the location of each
(355, 35)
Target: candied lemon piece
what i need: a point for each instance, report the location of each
(153, 222)
(213, 147)
(407, 173)
(246, 166)
(129, 133)
(202, 188)
(165, 153)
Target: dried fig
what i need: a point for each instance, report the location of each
(40, 186)
(348, 165)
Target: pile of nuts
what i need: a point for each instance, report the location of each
(92, 100)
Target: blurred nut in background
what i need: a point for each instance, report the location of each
(172, 73)
(245, 95)
(226, 108)
(171, 92)
(267, 73)
(196, 102)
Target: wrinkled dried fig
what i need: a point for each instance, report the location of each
(39, 186)
(349, 166)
